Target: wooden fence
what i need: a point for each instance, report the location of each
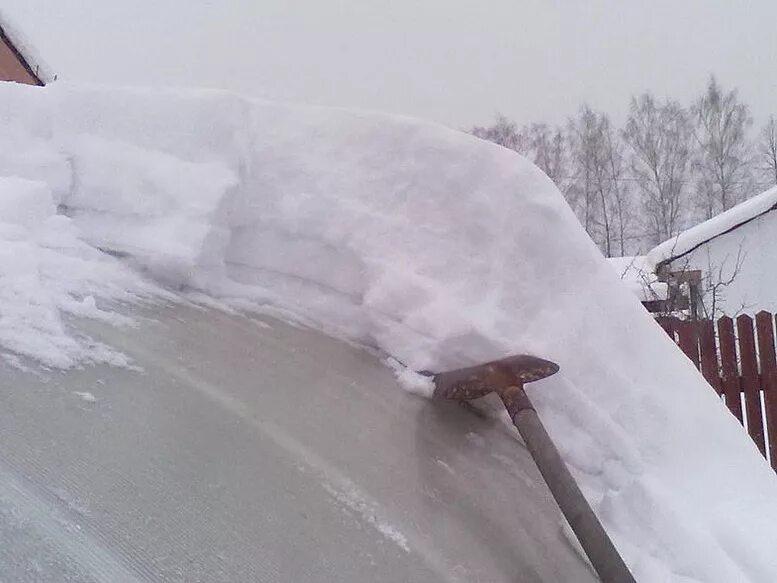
(738, 360)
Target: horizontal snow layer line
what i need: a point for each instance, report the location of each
(438, 248)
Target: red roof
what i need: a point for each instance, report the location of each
(16, 63)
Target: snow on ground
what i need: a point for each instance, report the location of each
(438, 248)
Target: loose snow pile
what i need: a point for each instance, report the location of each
(46, 272)
(439, 248)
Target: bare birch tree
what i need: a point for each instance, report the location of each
(582, 131)
(598, 187)
(504, 132)
(767, 151)
(544, 145)
(723, 157)
(620, 193)
(660, 138)
(548, 150)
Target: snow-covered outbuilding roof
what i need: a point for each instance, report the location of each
(721, 224)
(21, 50)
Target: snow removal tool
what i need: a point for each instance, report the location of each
(506, 378)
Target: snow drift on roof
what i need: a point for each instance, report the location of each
(690, 239)
(438, 248)
(26, 49)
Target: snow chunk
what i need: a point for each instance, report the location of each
(85, 396)
(410, 380)
(45, 272)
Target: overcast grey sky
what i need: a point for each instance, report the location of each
(455, 61)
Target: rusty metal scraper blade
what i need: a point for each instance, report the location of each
(473, 382)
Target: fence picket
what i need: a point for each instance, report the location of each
(739, 365)
(688, 340)
(766, 354)
(751, 385)
(728, 362)
(709, 355)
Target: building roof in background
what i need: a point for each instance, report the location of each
(696, 236)
(24, 52)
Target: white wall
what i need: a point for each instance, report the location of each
(754, 287)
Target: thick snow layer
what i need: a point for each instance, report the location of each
(638, 277)
(717, 225)
(438, 248)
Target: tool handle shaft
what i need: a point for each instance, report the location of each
(589, 531)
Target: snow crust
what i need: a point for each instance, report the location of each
(438, 248)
